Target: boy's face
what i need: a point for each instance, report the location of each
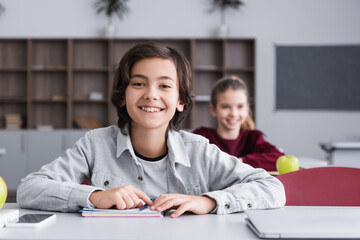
(152, 95)
(231, 110)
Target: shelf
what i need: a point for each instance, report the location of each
(242, 69)
(93, 69)
(49, 69)
(89, 101)
(48, 52)
(52, 81)
(13, 100)
(90, 53)
(47, 101)
(202, 98)
(208, 68)
(13, 69)
(13, 53)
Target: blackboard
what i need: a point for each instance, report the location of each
(318, 77)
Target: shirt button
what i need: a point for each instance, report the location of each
(227, 206)
(140, 178)
(249, 205)
(106, 183)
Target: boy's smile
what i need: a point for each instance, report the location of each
(151, 109)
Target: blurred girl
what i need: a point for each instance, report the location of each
(235, 133)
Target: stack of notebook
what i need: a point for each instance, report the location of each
(13, 121)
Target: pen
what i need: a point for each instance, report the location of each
(145, 205)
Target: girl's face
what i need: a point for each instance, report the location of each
(231, 110)
(152, 95)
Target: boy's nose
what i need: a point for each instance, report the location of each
(151, 94)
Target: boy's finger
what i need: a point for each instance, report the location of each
(143, 196)
(139, 205)
(179, 211)
(120, 204)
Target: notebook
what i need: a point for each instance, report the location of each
(135, 212)
(7, 215)
(305, 222)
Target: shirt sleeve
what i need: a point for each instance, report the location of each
(236, 186)
(263, 154)
(57, 185)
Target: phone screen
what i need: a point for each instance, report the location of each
(33, 218)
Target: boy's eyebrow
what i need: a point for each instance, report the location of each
(146, 78)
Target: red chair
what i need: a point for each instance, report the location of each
(324, 186)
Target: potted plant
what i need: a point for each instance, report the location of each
(223, 5)
(111, 8)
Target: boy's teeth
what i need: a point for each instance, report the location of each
(149, 109)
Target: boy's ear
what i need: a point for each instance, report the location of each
(212, 110)
(180, 106)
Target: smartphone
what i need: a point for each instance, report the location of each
(32, 220)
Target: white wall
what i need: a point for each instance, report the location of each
(305, 22)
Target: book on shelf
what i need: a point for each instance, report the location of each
(87, 123)
(134, 212)
(13, 121)
(45, 127)
(58, 97)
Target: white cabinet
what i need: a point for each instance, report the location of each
(13, 162)
(72, 137)
(46, 146)
(25, 151)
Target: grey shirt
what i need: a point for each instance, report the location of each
(155, 174)
(106, 157)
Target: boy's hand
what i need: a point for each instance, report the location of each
(122, 198)
(183, 203)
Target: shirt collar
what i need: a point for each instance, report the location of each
(123, 142)
(176, 147)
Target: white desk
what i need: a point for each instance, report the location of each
(187, 227)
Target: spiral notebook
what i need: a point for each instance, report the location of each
(135, 212)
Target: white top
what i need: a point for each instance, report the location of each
(155, 175)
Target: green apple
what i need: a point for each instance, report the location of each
(287, 163)
(3, 192)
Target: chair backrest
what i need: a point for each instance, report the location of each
(324, 186)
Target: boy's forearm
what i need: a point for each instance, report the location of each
(46, 194)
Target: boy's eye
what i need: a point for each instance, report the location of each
(224, 106)
(137, 84)
(240, 106)
(165, 86)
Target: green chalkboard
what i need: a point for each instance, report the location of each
(318, 77)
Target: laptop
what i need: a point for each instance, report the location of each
(305, 222)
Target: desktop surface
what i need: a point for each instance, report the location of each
(185, 227)
(189, 226)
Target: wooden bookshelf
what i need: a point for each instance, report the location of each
(49, 81)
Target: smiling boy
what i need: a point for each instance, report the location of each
(145, 156)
